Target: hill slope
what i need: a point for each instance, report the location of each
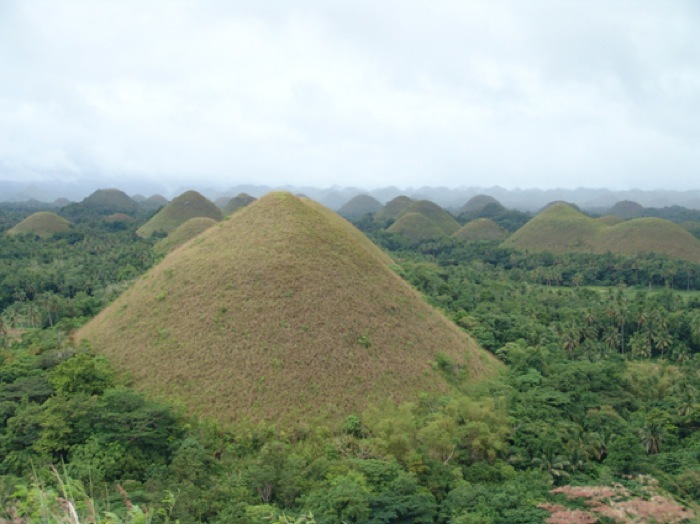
(188, 205)
(183, 233)
(282, 311)
(359, 206)
(424, 220)
(101, 203)
(239, 201)
(480, 229)
(43, 224)
(561, 228)
(393, 209)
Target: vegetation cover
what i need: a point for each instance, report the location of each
(282, 311)
(190, 204)
(560, 228)
(43, 224)
(596, 417)
(477, 203)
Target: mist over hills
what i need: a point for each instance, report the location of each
(334, 197)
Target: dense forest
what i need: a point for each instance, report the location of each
(595, 416)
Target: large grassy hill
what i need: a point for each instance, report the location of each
(188, 205)
(43, 224)
(561, 228)
(477, 203)
(423, 220)
(282, 312)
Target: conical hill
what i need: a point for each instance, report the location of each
(239, 201)
(393, 208)
(424, 220)
(43, 224)
(480, 229)
(190, 204)
(102, 203)
(561, 228)
(359, 206)
(283, 312)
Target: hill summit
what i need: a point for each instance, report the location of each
(42, 224)
(190, 204)
(560, 228)
(282, 312)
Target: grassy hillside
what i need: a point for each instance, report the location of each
(183, 233)
(359, 206)
(239, 201)
(561, 228)
(282, 311)
(626, 209)
(478, 203)
(480, 229)
(101, 203)
(423, 220)
(188, 205)
(393, 209)
(43, 224)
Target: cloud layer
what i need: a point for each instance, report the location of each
(520, 94)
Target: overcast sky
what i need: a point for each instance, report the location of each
(365, 93)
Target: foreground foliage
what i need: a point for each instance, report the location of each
(601, 390)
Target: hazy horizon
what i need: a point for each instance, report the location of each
(535, 94)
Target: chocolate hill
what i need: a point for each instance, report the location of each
(424, 220)
(188, 205)
(480, 229)
(283, 312)
(102, 203)
(359, 206)
(239, 201)
(43, 224)
(560, 228)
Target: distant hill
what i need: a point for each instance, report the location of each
(238, 202)
(154, 202)
(424, 220)
(282, 313)
(393, 209)
(481, 229)
(359, 206)
(188, 205)
(626, 209)
(561, 228)
(102, 203)
(43, 224)
(183, 233)
(478, 203)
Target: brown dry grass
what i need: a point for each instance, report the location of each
(282, 311)
(183, 233)
(615, 503)
(561, 228)
(43, 224)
